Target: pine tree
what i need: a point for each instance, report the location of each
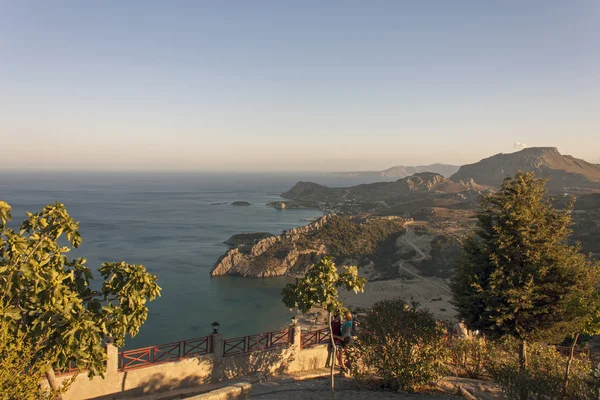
(518, 275)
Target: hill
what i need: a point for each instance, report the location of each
(401, 171)
(370, 243)
(562, 171)
(416, 185)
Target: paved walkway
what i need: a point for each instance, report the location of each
(319, 388)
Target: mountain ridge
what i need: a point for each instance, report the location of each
(402, 171)
(562, 171)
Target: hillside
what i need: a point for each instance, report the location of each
(562, 171)
(401, 171)
(416, 185)
(369, 243)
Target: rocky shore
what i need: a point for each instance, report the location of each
(252, 261)
(369, 243)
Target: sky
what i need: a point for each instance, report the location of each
(294, 85)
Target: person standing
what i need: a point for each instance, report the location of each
(345, 337)
(336, 330)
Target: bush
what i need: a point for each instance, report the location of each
(470, 357)
(545, 375)
(22, 370)
(398, 348)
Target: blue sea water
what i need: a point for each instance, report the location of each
(170, 224)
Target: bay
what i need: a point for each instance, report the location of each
(170, 223)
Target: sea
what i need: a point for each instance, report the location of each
(175, 224)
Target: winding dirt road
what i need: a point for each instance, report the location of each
(406, 238)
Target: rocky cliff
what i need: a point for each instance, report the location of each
(247, 261)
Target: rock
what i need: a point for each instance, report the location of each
(287, 261)
(280, 205)
(240, 203)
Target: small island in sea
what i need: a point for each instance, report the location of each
(241, 203)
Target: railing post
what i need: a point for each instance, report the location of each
(112, 360)
(217, 347)
(217, 352)
(296, 339)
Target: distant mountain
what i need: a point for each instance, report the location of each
(401, 171)
(416, 185)
(562, 171)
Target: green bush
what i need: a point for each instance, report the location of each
(398, 348)
(22, 368)
(545, 374)
(470, 356)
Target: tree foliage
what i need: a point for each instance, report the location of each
(518, 275)
(22, 368)
(320, 287)
(398, 347)
(48, 296)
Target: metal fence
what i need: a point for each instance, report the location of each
(146, 356)
(247, 344)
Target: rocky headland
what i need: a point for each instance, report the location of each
(256, 260)
(369, 243)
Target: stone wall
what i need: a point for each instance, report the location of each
(195, 371)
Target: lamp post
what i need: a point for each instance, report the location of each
(215, 327)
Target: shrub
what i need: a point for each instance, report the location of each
(398, 348)
(470, 357)
(22, 368)
(545, 374)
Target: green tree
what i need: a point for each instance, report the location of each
(51, 300)
(320, 287)
(518, 275)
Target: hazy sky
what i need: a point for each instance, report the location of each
(294, 85)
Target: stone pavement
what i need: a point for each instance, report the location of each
(318, 388)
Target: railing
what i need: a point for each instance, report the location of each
(262, 341)
(315, 338)
(146, 356)
(72, 368)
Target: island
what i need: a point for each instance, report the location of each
(240, 203)
(244, 239)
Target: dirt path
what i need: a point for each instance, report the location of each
(406, 238)
(432, 293)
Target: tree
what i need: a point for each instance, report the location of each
(320, 287)
(51, 300)
(22, 369)
(518, 275)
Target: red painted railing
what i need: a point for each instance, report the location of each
(247, 344)
(72, 368)
(146, 356)
(315, 338)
